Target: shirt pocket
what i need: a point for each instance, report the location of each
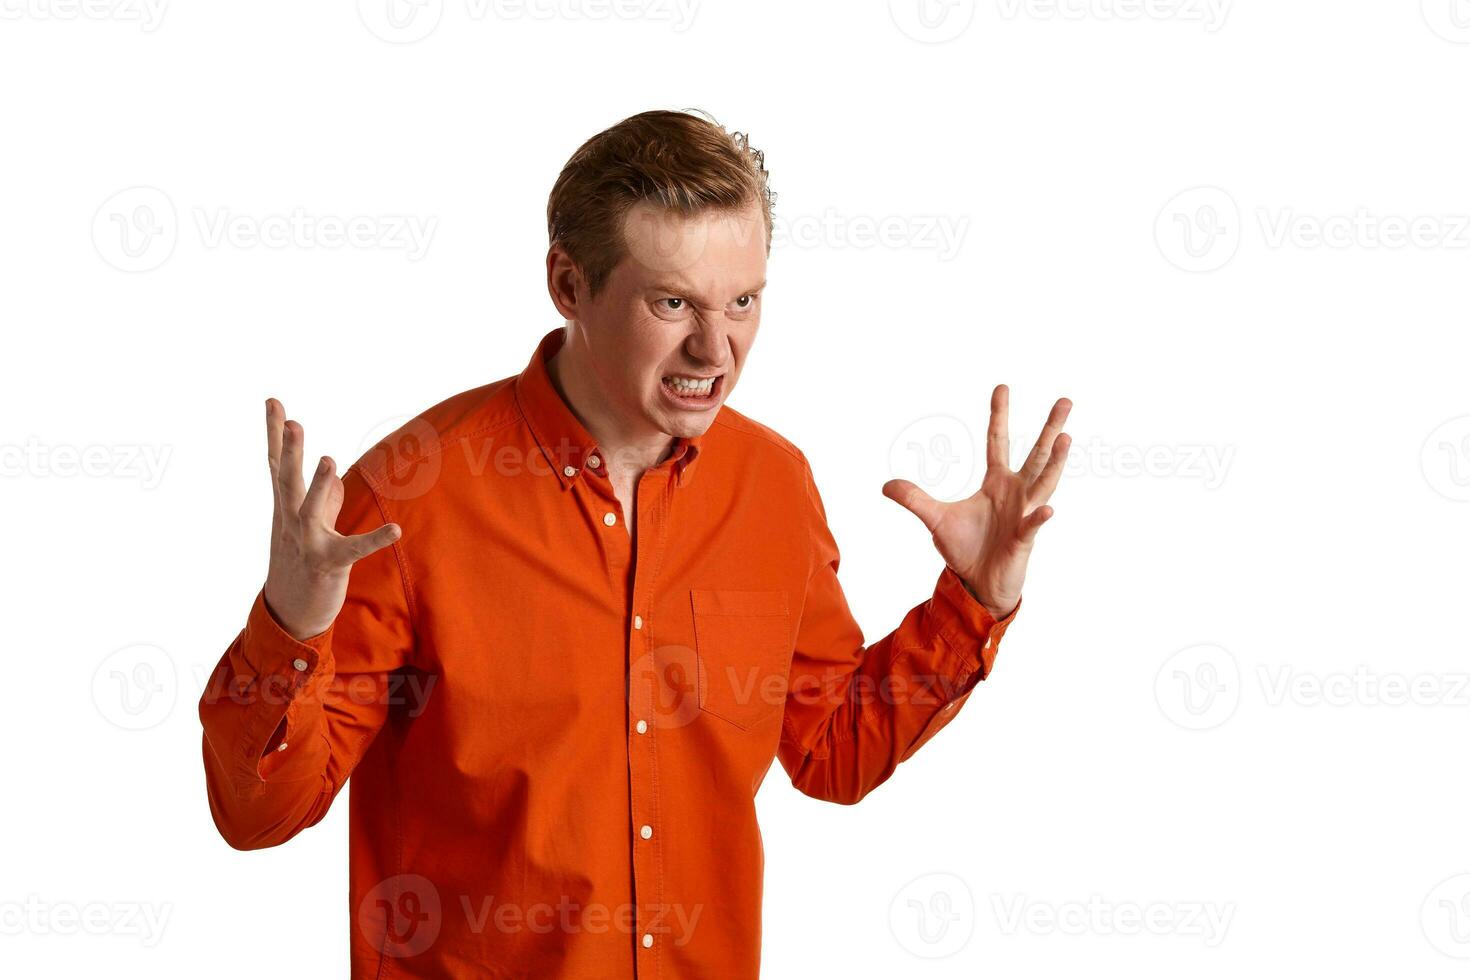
(743, 642)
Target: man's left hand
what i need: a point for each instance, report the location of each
(986, 539)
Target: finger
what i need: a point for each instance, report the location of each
(275, 416)
(1033, 521)
(313, 508)
(1042, 450)
(1042, 489)
(998, 438)
(356, 547)
(293, 489)
(913, 499)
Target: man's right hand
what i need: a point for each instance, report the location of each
(310, 562)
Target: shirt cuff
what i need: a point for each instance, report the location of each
(269, 649)
(969, 629)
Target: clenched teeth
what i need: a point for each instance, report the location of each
(690, 386)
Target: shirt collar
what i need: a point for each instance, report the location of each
(563, 439)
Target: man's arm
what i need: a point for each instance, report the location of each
(853, 713)
(288, 715)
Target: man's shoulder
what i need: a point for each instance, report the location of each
(475, 413)
(757, 436)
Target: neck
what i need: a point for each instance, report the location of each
(626, 447)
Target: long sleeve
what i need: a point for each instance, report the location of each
(286, 721)
(854, 712)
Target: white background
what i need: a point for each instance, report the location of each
(1234, 234)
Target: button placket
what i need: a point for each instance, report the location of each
(650, 501)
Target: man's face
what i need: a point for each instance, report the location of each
(671, 328)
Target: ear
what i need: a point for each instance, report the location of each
(565, 282)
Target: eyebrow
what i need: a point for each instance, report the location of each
(664, 287)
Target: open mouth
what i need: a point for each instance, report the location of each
(691, 391)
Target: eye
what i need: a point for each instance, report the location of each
(745, 302)
(676, 303)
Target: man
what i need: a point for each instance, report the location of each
(557, 627)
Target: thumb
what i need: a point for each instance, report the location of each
(913, 499)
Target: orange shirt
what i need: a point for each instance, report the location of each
(555, 732)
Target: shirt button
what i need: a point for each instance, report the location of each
(300, 664)
(609, 518)
(647, 831)
(281, 747)
(647, 939)
(594, 462)
(568, 471)
(949, 707)
(637, 622)
(642, 726)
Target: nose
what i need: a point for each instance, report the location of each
(709, 342)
